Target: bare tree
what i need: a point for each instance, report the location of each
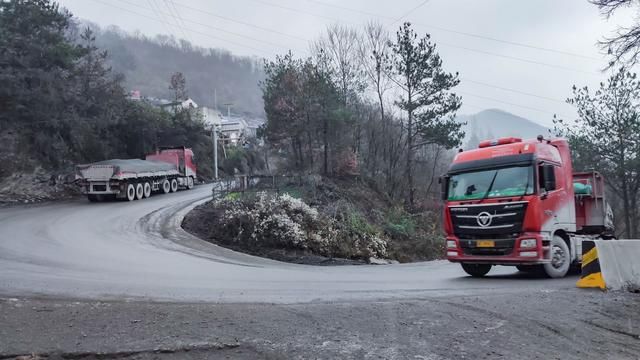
(340, 46)
(624, 44)
(374, 52)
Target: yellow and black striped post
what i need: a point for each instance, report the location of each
(591, 274)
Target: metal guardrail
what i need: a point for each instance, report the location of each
(251, 184)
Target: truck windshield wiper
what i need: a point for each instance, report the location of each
(526, 186)
(490, 186)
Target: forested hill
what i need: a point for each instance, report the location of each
(148, 64)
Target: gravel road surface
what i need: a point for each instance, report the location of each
(123, 280)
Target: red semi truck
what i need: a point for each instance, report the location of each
(164, 171)
(518, 203)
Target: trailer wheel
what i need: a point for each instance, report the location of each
(189, 183)
(166, 186)
(476, 270)
(131, 192)
(147, 189)
(139, 191)
(174, 185)
(560, 258)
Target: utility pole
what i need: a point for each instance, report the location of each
(228, 105)
(214, 138)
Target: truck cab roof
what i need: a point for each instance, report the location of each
(507, 152)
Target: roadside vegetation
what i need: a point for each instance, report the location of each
(320, 220)
(62, 104)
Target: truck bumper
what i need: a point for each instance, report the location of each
(470, 251)
(100, 188)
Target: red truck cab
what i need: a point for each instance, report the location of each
(512, 202)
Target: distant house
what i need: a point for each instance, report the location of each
(211, 117)
(135, 95)
(234, 128)
(179, 105)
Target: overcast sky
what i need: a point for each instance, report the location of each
(531, 81)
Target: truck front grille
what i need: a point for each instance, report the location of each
(488, 220)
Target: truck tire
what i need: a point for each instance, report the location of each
(166, 186)
(139, 191)
(476, 270)
(560, 258)
(189, 183)
(131, 192)
(147, 189)
(174, 185)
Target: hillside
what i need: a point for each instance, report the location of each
(147, 65)
(495, 123)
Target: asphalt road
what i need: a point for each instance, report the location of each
(138, 250)
(123, 279)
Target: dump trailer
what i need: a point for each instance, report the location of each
(166, 170)
(519, 203)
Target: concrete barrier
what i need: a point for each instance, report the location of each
(611, 264)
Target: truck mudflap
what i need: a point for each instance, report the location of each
(529, 249)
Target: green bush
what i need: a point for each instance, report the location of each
(399, 223)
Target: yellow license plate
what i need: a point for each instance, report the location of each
(486, 243)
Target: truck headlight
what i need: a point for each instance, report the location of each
(528, 243)
(451, 244)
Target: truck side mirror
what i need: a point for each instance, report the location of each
(549, 177)
(444, 186)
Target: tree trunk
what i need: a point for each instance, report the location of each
(325, 140)
(410, 157)
(627, 210)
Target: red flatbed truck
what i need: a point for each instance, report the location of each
(518, 203)
(166, 170)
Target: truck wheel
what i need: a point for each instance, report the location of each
(174, 185)
(166, 186)
(189, 183)
(139, 191)
(476, 270)
(147, 189)
(131, 192)
(560, 259)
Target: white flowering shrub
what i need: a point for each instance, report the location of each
(282, 221)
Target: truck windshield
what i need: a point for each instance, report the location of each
(513, 181)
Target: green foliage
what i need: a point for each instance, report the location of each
(304, 113)
(606, 137)
(426, 96)
(399, 223)
(63, 101)
(358, 224)
(246, 161)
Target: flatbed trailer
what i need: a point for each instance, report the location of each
(167, 170)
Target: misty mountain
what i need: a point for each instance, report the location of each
(495, 123)
(148, 63)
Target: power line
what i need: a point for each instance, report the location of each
(478, 36)
(221, 30)
(518, 59)
(465, 80)
(410, 11)
(239, 21)
(509, 103)
(441, 43)
(175, 20)
(190, 30)
(152, 6)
